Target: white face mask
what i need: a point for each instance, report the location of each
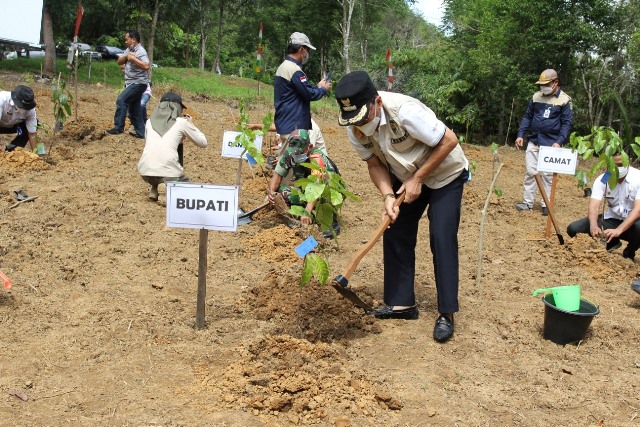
(546, 90)
(305, 56)
(369, 128)
(622, 171)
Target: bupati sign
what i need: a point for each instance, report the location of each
(203, 206)
(558, 160)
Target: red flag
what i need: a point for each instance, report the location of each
(388, 59)
(78, 19)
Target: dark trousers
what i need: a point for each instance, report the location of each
(129, 100)
(631, 235)
(400, 240)
(22, 135)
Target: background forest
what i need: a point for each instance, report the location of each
(476, 71)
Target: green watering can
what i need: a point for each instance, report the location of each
(565, 297)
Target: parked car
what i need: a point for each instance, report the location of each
(62, 49)
(95, 56)
(109, 52)
(23, 54)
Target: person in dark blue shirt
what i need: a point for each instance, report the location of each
(547, 122)
(292, 91)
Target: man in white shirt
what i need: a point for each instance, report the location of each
(620, 220)
(18, 116)
(407, 149)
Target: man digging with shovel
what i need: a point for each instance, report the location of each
(407, 149)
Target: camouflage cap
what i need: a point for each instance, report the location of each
(298, 141)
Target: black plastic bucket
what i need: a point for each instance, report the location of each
(564, 327)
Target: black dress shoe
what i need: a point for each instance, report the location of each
(443, 329)
(114, 131)
(136, 135)
(387, 312)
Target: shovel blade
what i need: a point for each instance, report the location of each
(243, 218)
(351, 296)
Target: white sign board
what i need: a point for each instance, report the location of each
(558, 160)
(232, 149)
(202, 206)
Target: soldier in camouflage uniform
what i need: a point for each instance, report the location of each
(299, 150)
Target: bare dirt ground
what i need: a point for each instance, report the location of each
(100, 326)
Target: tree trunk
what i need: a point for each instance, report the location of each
(345, 29)
(50, 47)
(215, 68)
(186, 53)
(152, 35)
(503, 113)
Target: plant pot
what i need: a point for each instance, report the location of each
(564, 327)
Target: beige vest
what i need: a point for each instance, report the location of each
(404, 154)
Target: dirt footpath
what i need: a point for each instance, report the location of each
(100, 326)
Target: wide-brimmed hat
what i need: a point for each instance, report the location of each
(298, 141)
(354, 93)
(23, 97)
(173, 97)
(300, 39)
(547, 76)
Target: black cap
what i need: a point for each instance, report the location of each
(354, 92)
(23, 97)
(172, 97)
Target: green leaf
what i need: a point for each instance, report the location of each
(314, 191)
(298, 211)
(336, 198)
(307, 271)
(320, 268)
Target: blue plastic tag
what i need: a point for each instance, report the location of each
(605, 177)
(250, 159)
(307, 246)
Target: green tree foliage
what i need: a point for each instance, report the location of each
(476, 72)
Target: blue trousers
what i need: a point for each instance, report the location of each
(399, 245)
(129, 100)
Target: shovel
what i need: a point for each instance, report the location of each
(341, 281)
(546, 202)
(245, 217)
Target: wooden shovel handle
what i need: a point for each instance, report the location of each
(546, 202)
(350, 268)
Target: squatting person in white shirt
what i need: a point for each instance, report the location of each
(620, 220)
(161, 159)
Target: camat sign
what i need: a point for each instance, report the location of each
(202, 206)
(558, 160)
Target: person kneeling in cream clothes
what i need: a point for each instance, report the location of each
(161, 159)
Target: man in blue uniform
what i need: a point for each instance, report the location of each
(547, 122)
(292, 91)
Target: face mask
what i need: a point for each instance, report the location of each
(300, 158)
(622, 171)
(546, 90)
(369, 128)
(305, 57)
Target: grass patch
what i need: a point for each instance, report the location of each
(188, 80)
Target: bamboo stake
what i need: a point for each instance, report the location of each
(484, 215)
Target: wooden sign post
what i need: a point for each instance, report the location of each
(555, 160)
(205, 207)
